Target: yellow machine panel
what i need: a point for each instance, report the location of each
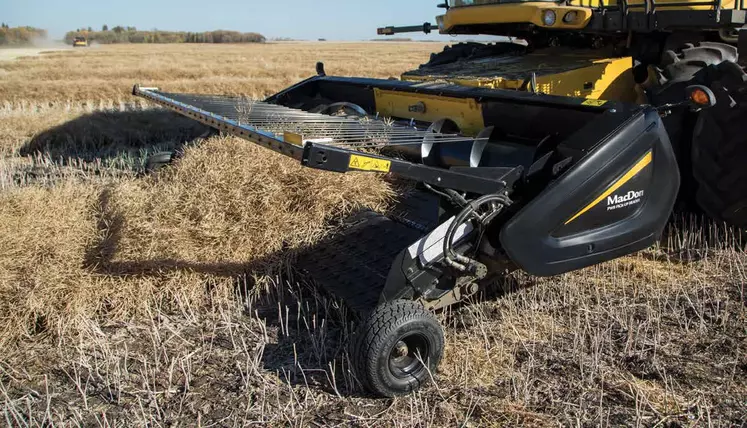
(465, 112)
(610, 79)
(529, 12)
(606, 79)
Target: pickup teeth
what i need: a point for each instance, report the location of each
(344, 130)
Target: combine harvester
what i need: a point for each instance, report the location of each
(80, 42)
(550, 155)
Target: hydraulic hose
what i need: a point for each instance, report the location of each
(472, 211)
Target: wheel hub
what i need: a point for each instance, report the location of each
(406, 354)
(401, 349)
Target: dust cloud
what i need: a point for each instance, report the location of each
(38, 46)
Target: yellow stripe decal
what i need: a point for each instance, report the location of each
(643, 163)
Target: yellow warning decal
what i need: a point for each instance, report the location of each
(293, 138)
(594, 103)
(364, 163)
(638, 167)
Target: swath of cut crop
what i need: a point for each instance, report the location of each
(227, 209)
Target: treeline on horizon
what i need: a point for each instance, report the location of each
(121, 34)
(20, 36)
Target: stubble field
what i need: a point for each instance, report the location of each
(171, 299)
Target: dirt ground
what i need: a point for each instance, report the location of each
(171, 299)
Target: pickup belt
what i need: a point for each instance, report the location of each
(280, 121)
(331, 143)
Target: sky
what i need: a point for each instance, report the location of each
(298, 19)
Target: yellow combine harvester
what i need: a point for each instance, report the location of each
(80, 42)
(562, 147)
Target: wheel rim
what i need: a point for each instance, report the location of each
(406, 355)
(344, 109)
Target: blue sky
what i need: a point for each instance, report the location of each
(309, 19)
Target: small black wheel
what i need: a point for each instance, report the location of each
(157, 161)
(397, 348)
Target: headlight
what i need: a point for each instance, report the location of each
(440, 22)
(570, 17)
(548, 18)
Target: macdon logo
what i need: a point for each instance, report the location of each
(631, 198)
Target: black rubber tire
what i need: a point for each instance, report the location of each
(157, 161)
(684, 63)
(454, 53)
(377, 337)
(719, 149)
(473, 50)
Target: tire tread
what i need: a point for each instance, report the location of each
(374, 330)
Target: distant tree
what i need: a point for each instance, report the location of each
(120, 34)
(104, 27)
(20, 36)
(90, 29)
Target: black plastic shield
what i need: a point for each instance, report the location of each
(614, 202)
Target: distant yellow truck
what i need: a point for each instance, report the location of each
(80, 42)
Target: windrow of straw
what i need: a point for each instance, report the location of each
(82, 249)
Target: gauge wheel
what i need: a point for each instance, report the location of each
(397, 348)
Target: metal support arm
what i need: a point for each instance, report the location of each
(471, 180)
(390, 31)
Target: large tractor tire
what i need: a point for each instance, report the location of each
(472, 50)
(718, 145)
(719, 149)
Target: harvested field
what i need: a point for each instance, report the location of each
(107, 73)
(172, 299)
